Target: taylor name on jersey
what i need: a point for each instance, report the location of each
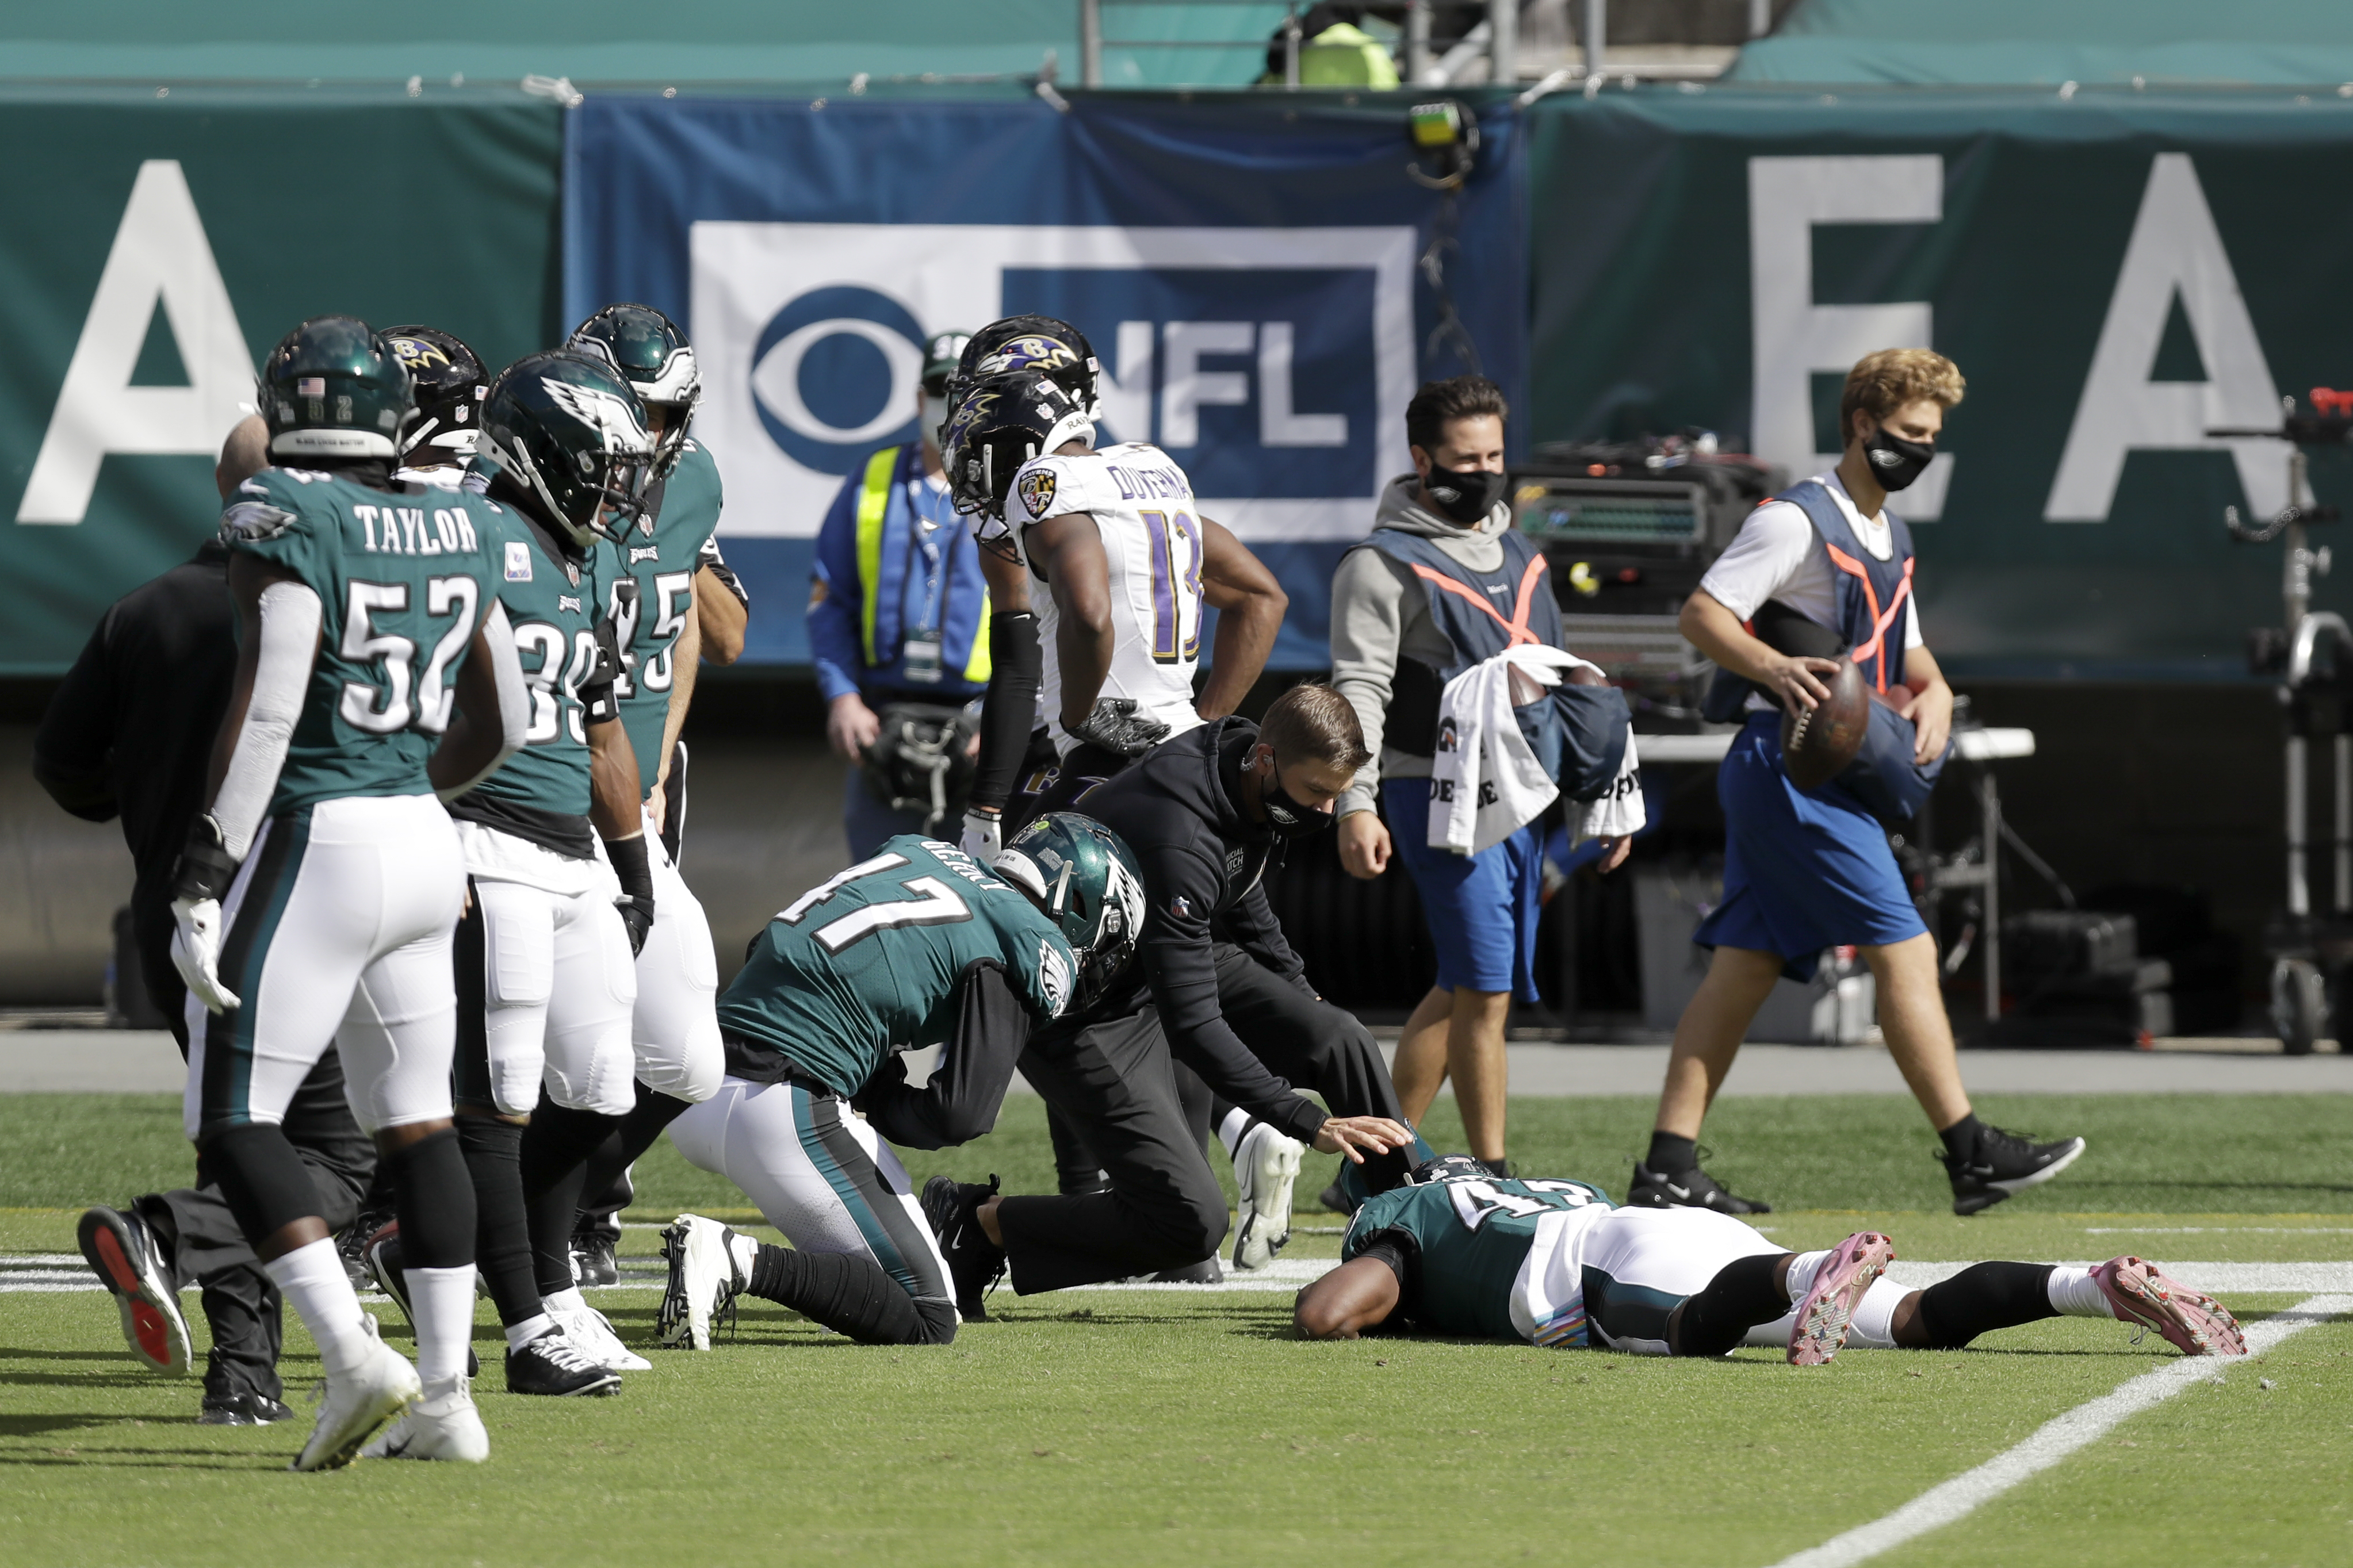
(1143, 506)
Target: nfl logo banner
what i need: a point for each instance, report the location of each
(809, 252)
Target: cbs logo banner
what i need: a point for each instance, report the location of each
(1275, 364)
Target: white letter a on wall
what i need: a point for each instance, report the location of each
(160, 253)
(2175, 250)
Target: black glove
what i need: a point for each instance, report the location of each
(1119, 728)
(637, 878)
(888, 1078)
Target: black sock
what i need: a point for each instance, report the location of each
(1501, 1169)
(1961, 1137)
(1982, 1298)
(848, 1294)
(554, 1147)
(493, 1153)
(1671, 1155)
(1742, 1295)
(436, 1194)
(628, 1142)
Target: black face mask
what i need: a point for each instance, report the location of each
(1465, 495)
(1286, 817)
(1895, 462)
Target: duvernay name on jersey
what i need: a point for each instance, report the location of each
(1166, 483)
(416, 531)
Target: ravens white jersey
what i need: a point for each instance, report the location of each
(1142, 505)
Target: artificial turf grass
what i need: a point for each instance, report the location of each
(1156, 1428)
(2149, 1153)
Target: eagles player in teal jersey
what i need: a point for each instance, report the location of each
(1461, 1251)
(921, 945)
(317, 894)
(544, 979)
(675, 603)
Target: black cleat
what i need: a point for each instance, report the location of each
(381, 1253)
(1204, 1272)
(241, 1410)
(974, 1262)
(592, 1259)
(2003, 1164)
(551, 1365)
(1693, 1189)
(352, 1244)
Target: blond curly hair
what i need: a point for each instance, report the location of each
(1884, 382)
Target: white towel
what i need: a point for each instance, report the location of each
(1619, 811)
(1485, 782)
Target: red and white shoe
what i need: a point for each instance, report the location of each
(123, 1252)
(1827, 1312)
(2193, 1322)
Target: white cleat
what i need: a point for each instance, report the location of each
(591, 1334)
(706, 1273)
(442, 1426)
(1266, 1167)
(353, 1407)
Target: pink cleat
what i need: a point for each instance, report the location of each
(2195, 1324)
(1827, 1311)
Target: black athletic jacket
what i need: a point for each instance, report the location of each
(1179, 810)
(131, 730)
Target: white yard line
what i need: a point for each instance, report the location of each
(2053, 1441)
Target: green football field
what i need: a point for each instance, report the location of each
(1185, 1426)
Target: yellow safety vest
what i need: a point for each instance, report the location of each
(873, 506)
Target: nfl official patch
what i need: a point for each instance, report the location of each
(1181, 908)
(1036, 488)
(518, 561)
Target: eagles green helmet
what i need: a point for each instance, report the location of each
(333, 388)
(1089, 882)
(564, 437)
(450, 384)
(648, 348)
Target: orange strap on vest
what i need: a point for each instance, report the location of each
(1874, 648)
(1518, 625)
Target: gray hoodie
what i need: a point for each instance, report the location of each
(1380, 612)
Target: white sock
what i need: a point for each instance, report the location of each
(1230, 1130)
(312, 1278)
(441, 1304)
(567, 1299)
(1802, 1270)
(530, 1329)
(2075, 1294)
(1874, 1316)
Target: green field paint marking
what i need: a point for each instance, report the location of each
(2057, 1439)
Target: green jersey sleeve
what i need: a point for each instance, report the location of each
(1472, 1238)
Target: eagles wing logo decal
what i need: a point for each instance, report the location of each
(1036, 488)
(254, 520)
(602, 412)
(1054, 976)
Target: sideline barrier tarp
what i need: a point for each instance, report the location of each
(2115, 274)
(1245, 268)
(157, 247)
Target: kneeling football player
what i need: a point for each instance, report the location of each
(1553, 1262)
(921, 945)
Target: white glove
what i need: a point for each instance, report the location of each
(197, 949)
(984, 836)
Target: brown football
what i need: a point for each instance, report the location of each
(1816, 745)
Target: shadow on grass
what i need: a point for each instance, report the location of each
(27, 1352)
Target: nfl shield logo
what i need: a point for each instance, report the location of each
(518, 561)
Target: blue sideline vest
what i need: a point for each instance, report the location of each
(1581, 735)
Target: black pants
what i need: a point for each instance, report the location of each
(1115, 1083)
(200, 1238)
(1049, 784)
(1313, 1046)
